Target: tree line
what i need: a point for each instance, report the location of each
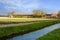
(38, 13)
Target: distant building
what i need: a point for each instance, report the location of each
(54, 15)
(48, 15)
(21, 15)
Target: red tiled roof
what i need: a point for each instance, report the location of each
(54, 15)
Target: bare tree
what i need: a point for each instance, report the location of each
(10, 14)
(38, 13)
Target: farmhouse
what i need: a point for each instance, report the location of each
(54, 15)
(21, 15)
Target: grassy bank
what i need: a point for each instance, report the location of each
(54, 35)
(19, 30)
(8, 22)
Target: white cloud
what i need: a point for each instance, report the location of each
(20, 4)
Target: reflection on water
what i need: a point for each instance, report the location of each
(36, 34)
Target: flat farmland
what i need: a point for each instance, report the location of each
(7, 19)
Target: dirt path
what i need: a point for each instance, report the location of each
(20, 24)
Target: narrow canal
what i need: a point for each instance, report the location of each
(36, 34)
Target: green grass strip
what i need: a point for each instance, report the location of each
(54, 35)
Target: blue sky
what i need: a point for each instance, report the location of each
(50, 6)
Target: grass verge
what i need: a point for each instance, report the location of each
(54, 35)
